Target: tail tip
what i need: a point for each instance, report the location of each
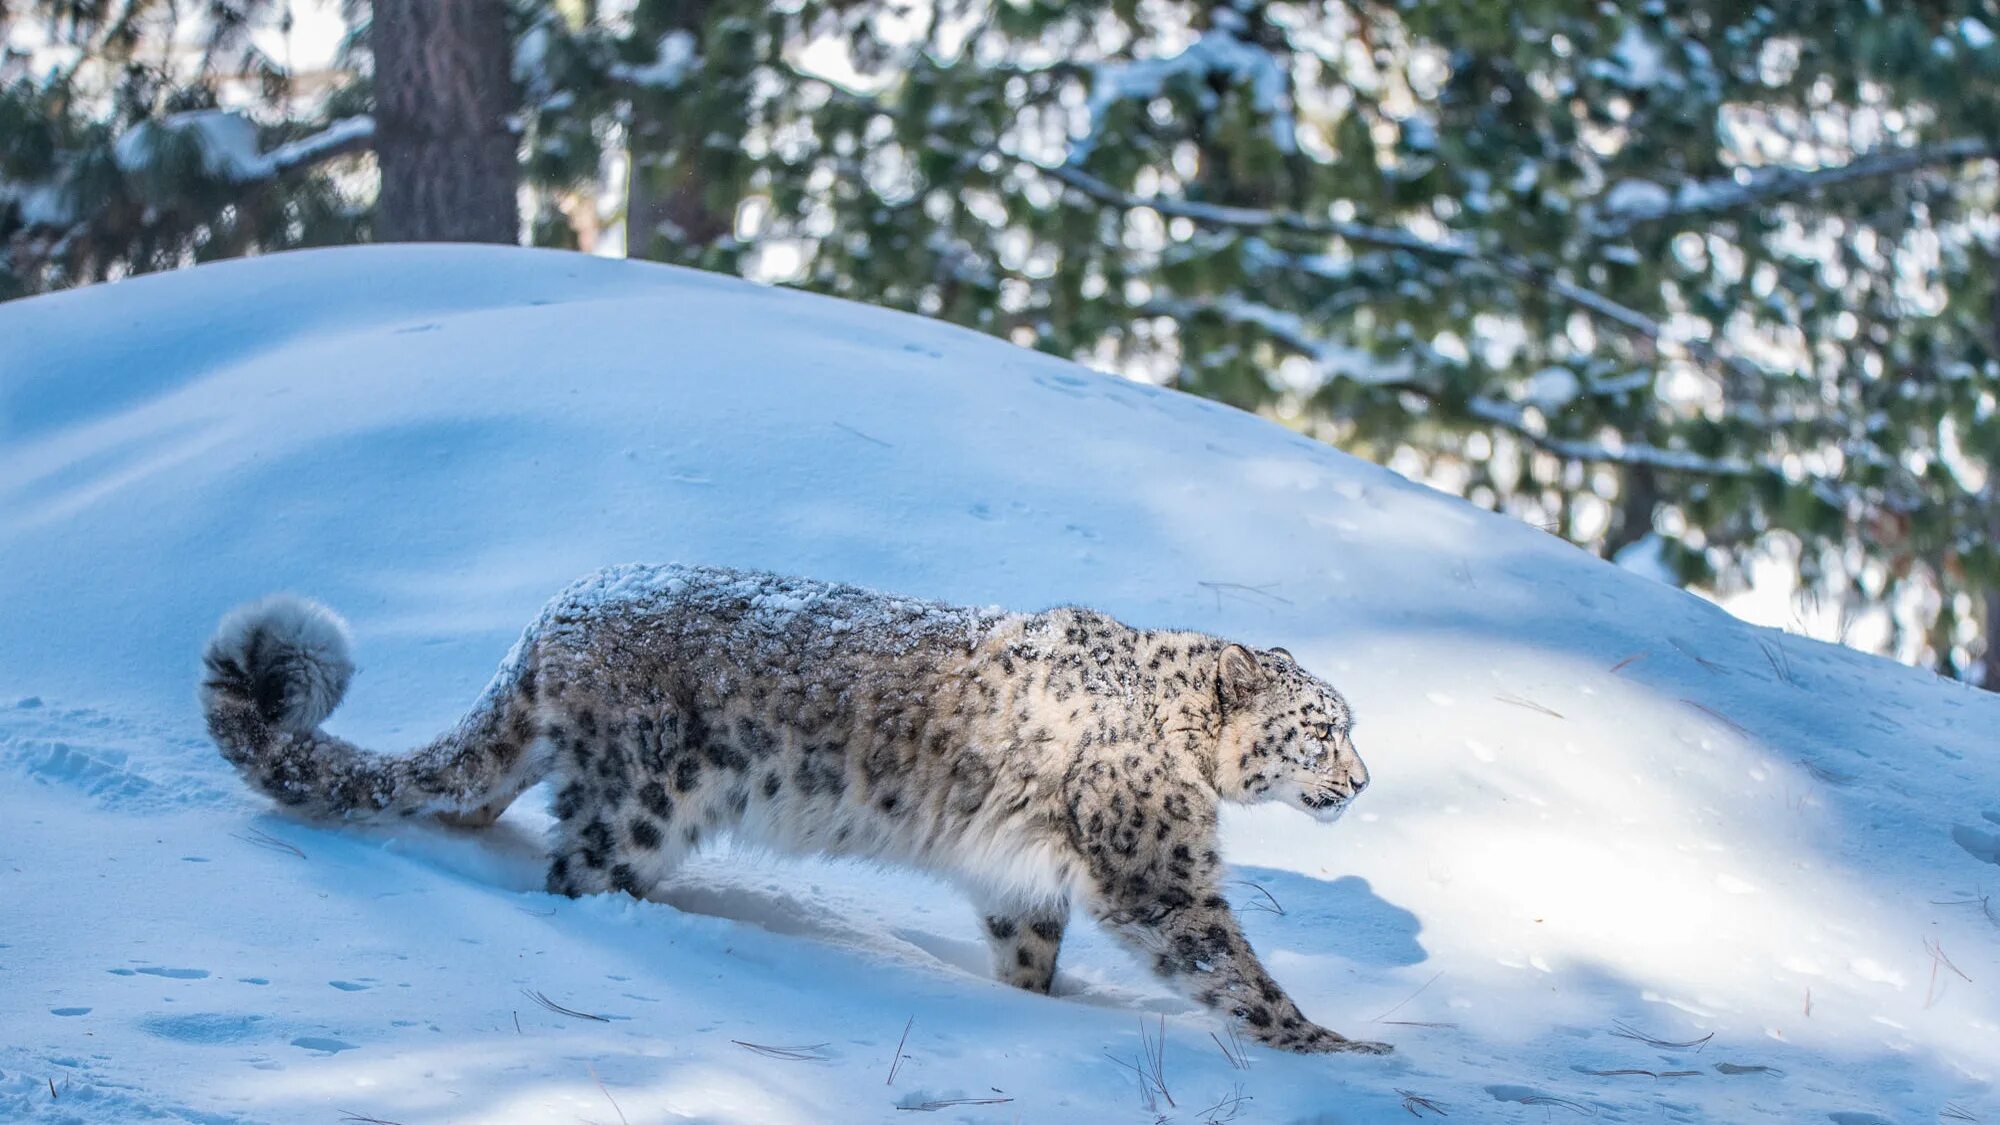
(287, 656)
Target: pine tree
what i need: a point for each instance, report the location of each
(124, 160)
(1678, 278)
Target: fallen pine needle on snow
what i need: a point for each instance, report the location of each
(1559, 1103)
(1530, 704)
(947, 1103)
(1746, 1068)
(1232, 1050)
(592, 1067)
(1150, 1067)
(897, 1062)
(1629, 661)
(1647, 1073)
(1418, 1105)
(559, 1009)
(1938, 958)
(268, 841)
(810, 1052)
(1384, 1017)
(1269, 903)
(1625, 1030)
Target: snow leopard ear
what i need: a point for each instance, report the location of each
(1284, 652)
(1237, 671)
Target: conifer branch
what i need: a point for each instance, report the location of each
(1452, 248)
(1771, 185)
(1399, 376)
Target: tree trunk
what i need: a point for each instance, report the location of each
(443, 92)
(1638, 495)
(667, 214)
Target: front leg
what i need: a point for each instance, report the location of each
(1025, 938)
(1192, 938)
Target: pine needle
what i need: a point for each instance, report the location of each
(559, 1009)
(1625, 1030)
(811, 1052)
(897, 1062)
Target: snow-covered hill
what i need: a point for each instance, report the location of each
(1602, 809)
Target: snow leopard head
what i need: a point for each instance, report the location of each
(1286, 735)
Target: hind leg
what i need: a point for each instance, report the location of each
(605, 845)
(620, 825)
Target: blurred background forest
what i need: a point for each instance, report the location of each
(1704, 287)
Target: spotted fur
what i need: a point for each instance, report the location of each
(1035, 760)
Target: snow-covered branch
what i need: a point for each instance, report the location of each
(1451, 248)
(227, 143)
(1221, 50)
(1340, 361)
(1633, 203)
(344, 137)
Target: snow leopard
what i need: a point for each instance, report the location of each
(1034, 760)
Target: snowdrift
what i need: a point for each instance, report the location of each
(1623, 857)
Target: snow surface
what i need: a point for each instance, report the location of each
(1600, 806)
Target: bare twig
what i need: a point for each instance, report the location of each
(1629, 661)
(552, 1006)
(897, 1062)
(1625, 1030)
(354, 1118)
(811, 1052)
(1954, 1112)
(1983, 902)
(947, 1103)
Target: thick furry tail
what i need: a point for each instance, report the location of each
(275, 670)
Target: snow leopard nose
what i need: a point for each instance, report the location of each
(1357, 778)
